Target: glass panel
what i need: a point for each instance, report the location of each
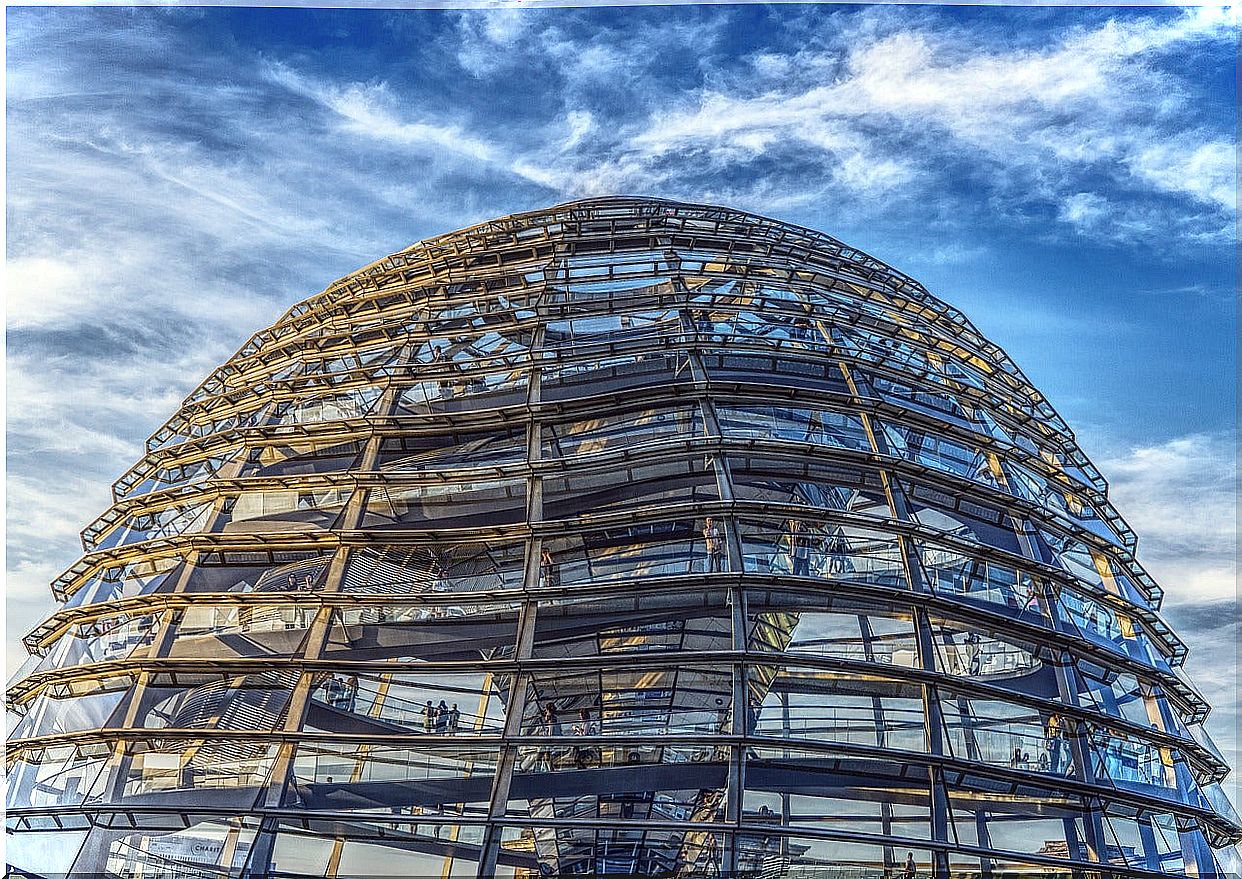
(1130, 763)
(65, 775)
(612, 327)
(1143, 839)
(462, 704)
(796, 857)
(1107, 626)
(952, 572)
(126, 581)
(986, 655)
(354, 403)
(636, 782)
(43, 853)
(249, 630)
(423, 782)
(1068, 506)
(885, 349)
(147, 478)
(639, 702)
(420, 453)
(660, 761)
(283, 510)
(824, 551)
(637, 624)
(1030, 821)
(819, 791)
(635, 551)
(1221, 804)
(776, 369)
(938, 403)
(259, 572)
(445, 505)
(825, 706)
(1003, 734)
(171, 521)
(629, 485)
(938, 452)
(103, 639)
(208, 701)
(216, 848)
(962, 517)
(180, 429)
(432, 632)
(1123, 695)
(429, 844)
(237, 769)
(465, 391)
(50, 714)
(560, 851)
(1098, 570)
(829, 627)
(827, 488)
(445, 567)
(294, 457)
(822, 427)
(563, 380)
(609, 432)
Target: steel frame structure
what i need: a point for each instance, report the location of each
(626, 537)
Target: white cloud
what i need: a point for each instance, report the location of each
(1205, 171)
(1084, 210)
(1180, 498)
(1030, 121)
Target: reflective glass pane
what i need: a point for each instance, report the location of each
(609, 432)
(829, 627)
(460, 704)
(625, 552)
(421, 782)
(444, 567)
(634, 483)
(634, 702)
(444, 505)
(821, 427)
(1004, 734)
(431, 632)
(823, 706)
(643, 623)
(838, 488)
(558, 851)
(823, 551)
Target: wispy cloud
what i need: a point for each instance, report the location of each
(177, 178)
(1180, 497)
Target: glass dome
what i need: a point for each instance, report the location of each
(625, 537)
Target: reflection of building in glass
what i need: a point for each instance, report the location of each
(623, 537)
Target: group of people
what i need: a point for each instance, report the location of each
(340, 692)
(549, 724)
(441, 719)
(291, 584)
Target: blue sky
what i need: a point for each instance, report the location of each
(178, 177)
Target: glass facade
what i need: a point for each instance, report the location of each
(622, 538)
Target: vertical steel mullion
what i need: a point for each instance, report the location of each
(506, 759)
